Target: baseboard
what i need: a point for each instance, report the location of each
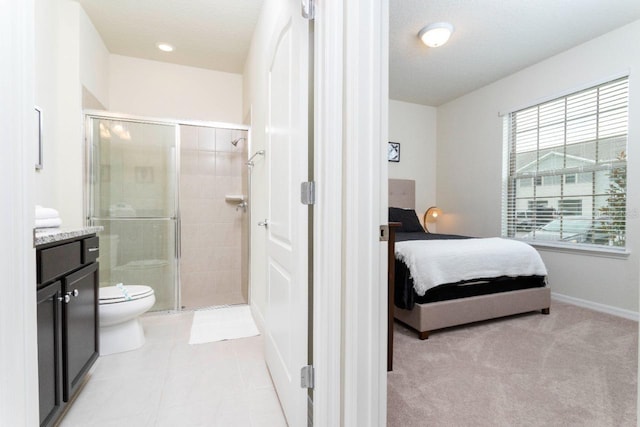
(615, 311)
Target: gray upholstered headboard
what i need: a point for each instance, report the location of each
(402, 193)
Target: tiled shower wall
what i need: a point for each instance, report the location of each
(212, 269)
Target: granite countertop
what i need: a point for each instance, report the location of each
(43, 236)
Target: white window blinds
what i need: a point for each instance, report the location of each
(566, 179)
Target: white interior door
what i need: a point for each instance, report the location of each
(286, 320)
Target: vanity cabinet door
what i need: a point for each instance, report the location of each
(49, 351)
(80, 326)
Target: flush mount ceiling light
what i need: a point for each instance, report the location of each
(165, 47)
(437, 34)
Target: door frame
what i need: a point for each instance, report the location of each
(18, 314)
(350, 298)
(327, 213)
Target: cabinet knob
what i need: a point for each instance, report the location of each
(65, 299)
(74, 293)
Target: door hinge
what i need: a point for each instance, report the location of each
(306, 376)
(308, 9)
(384, 233)
(308, 193)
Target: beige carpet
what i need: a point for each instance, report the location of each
(574, 367)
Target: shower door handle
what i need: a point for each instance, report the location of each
(264, 223)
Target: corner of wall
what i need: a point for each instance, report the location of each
(414, 127)
(67, 162)
(94, 59)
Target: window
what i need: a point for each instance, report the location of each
(568, 156)
(570, 206)
(537, 204)
(552, 180)
(526, 182)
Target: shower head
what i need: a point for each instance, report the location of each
(235, 141)
(257, 153)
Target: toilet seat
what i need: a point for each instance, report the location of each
(116, 294)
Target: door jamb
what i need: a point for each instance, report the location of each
(351, 103)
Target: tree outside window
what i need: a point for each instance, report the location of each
(615, 211)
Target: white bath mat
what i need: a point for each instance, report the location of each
(219, 324)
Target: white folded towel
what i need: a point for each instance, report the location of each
(48, 223)
(46, 213)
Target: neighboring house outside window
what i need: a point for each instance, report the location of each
(570, 207)
(565, 181)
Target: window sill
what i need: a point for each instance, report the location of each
(601, 251)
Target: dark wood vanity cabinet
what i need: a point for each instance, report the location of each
(49, 355)
(79, 327)
(67, 320)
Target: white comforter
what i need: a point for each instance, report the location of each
(436, 262)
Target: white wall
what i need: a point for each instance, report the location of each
(94, 60)
(157, 89)
(67, 165)
(69, 55)
(469, 158)
(18, 326)
(46, 75)
(414, 127)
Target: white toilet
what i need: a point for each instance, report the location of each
(120, 307)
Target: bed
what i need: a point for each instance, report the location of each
(469, 299)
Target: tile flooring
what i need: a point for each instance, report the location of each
(171, 383)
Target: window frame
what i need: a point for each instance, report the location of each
(512, 180)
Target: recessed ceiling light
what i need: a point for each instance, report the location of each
(434, 35)
(165, 47)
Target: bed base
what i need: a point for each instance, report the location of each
(428, 317)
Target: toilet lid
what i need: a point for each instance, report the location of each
(113, 294)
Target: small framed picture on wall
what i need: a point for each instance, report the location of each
(393, 152)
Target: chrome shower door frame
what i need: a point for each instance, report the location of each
(90, 175)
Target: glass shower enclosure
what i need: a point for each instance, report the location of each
(133, 194)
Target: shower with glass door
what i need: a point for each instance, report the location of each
(172, 200)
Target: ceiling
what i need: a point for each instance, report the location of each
(493, 38)
(213, 34)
